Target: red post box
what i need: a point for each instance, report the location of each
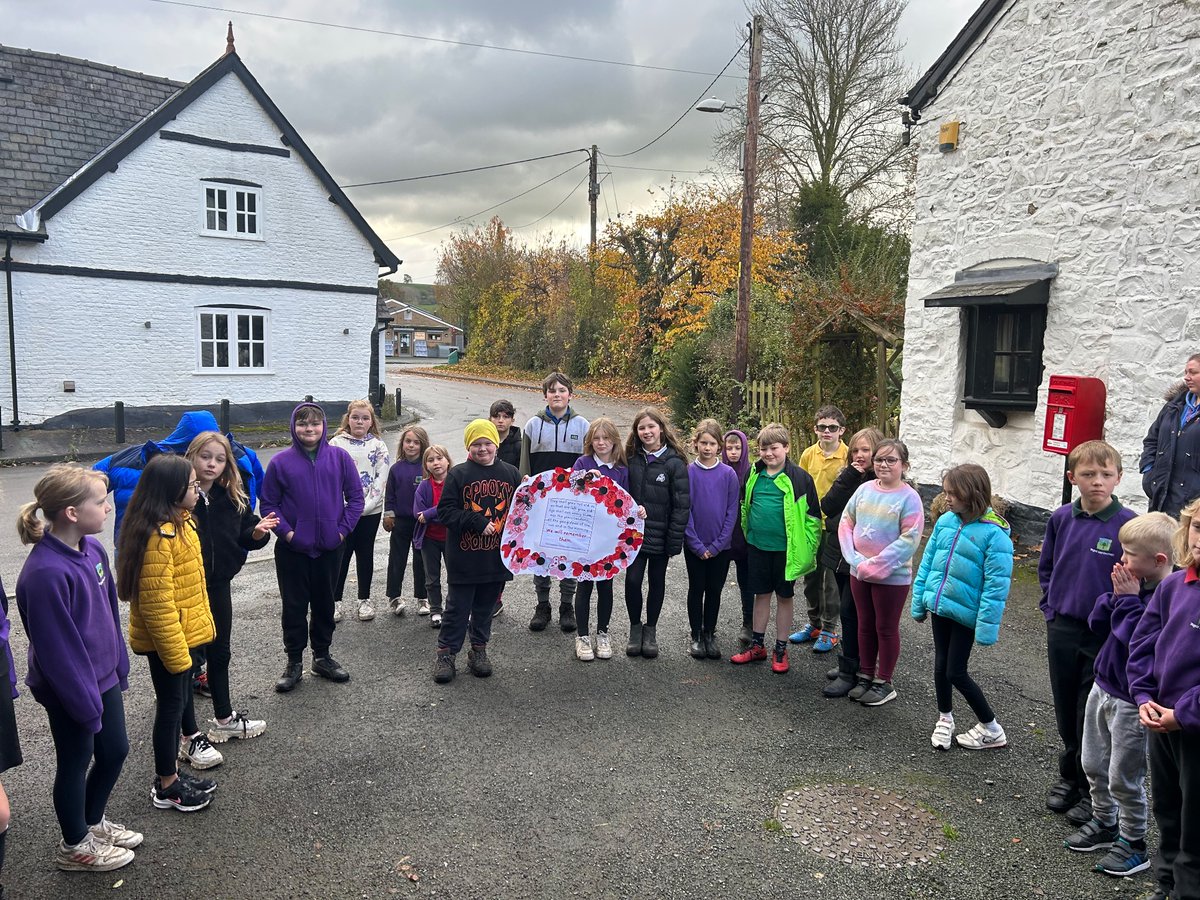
(1074, 413)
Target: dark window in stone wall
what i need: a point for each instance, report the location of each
(1004, 357)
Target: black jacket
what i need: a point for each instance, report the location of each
(832, 505)
(510, 448)
(1172, 455)
(225, 534)
(661, 485)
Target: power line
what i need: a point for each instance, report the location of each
(422, 37)
(686, 110)
(461, 219)
(570, 193)
(515, 162)
(646, 169)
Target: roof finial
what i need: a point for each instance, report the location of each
(229, 40)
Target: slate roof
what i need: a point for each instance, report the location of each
(56, 113)
(926, 89)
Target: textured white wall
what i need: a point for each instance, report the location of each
(146, 216)
(1080, 146)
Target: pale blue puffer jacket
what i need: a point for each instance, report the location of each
(965, 574)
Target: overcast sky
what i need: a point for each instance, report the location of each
(380, 106)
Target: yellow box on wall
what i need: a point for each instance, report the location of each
(948, 137)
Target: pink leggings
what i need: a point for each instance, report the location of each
(879, 607)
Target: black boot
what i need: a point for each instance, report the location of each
(566, 616)
(711, 650)
(847, 677)
(291, 676)
(635, 639)
(541, 617)
(697, 648)
(649, 642)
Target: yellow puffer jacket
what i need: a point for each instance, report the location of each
(171, 612)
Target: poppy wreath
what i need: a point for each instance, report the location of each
(608, 495)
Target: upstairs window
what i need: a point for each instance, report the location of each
(232, 339)
(233, 210)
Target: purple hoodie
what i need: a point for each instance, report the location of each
(737, 541)
(1114, 618)
(320, 499)
(1164, 655)
(716, 502)
(5, 630)
(619, 474)
(403, 479)
(68, 604)
(423, 503)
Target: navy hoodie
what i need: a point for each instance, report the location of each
(320, 499)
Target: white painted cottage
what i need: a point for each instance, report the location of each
(169, 245)
(1061, 235)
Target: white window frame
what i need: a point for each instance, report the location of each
(230, 344)
(241, 205)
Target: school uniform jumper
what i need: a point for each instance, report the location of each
(372, 461)
(1079, 550)
(713, 515)
(1164, 666)
(473, 496)
(318, 498)
(78, 667)
(429, 540)
(10, 745)
(404, 477)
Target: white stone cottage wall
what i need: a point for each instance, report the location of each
(1080, 146)
(147, 216)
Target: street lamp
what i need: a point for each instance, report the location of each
(741, 329)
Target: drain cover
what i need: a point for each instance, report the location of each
(860, 826)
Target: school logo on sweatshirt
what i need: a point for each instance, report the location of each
(1104, 545)
(100, 576)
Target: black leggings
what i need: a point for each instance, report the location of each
(951, 652)
(399, 545)
(360, 542)
(657, 564)
(583, 605)
(849, 617)
(173, 713)
(80, 795)
(221, 601)
(706, 580)
(742, 568)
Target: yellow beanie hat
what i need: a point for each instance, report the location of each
(480, 428)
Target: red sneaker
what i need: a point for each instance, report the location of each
(779, 662)
(753, 653)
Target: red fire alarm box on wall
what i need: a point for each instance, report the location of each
(1074, 413)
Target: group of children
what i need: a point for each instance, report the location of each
(1123, 652)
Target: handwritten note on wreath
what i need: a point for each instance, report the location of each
(568, 523)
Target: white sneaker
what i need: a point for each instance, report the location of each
(436, 620)
(423, 607)
(583, 648)
(237, 727)
(91, 855)
(337, 612)
(396, 605)
(199, 753)
(366, 610)
(942, 732)
(116, 834)
(603, 645)
(979, 738)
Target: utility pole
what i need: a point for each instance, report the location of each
(741, 330)
(593, 196)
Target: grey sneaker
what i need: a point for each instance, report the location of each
(197, 752)
(583, 648)
(879, 693)
(397, 606)
(337, 612)
(603, 645)
(1124, 859)
(116, 834)
(1094, 835)
(861, 687)
(91, 855)
(478, 662)
(239, 726)
(443, 668)
(366, 610)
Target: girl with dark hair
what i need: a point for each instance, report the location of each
(160, 571)
(736, 455)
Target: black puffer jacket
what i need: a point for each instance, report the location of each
(225, 534)
(1172, 455)
(832, 505)
(661, 485)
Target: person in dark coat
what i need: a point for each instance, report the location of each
(1170, 463)
(658, 481)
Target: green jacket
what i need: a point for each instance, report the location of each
(801, 516)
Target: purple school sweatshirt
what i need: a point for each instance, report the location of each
(319, 498)
(715, 506)
(403, 479)
(1115, 618)
(6, 659)
(619, 474)
(1078, 553)
(1164, 656)
(68, 604)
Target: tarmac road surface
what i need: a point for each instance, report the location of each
(557, 778)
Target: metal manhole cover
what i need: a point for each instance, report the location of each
(860, 826)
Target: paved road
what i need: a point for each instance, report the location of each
(555, 778)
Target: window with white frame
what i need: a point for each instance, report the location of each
(233, 210)
(232, 339)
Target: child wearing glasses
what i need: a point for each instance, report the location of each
(879, 533)
(823, 461)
